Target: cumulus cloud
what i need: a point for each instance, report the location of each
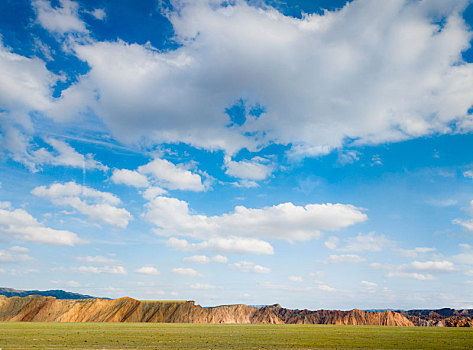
(113, 270)
(18, 249)
(19, 146)
(204, 286)
(325, 287)
(369, 242)
(369, 285)
(413, 253)
(148, 270)
(246, 266)
(415, 275)
(10, 256)
(332, 242)
(99, 14)
(230, 245)
(344, 258)
(19, 224)
(443, 266)
(420, 270)
(171, 176)
(466, 256)
(255, 169)
(153, 192)
(59, 20)
(71, 283)
(283, 221)
(185, 271)
(98, 259)
(64, 155)
(319, 80)
(130, 178)
(202, 259)
(98, 206)
(26, 85)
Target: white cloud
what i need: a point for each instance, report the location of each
(18, 249)
(332, 242)
(244, 183)
(130, 178)
(369, 285)
(443, 265)
(466, 257)
(246, 266)
(72, 284)
(171, 176)
(320, 79)
(148, 270)
(295, 279)
(344, 258)
(326, 288)
(412, 253)
(23, 151)
(99, 259)
(204, 286)
(153, 192)
(65, 156)
(468, 173)
(421, 270)
(113, 270)
(283, 221)
(468, 224)
(415, 275)
(99, 14)
(230, 245)
(19, 224)
(60, 20)
(97, 205)
(254, 169)
(12, 257)
(348, 157)
(185, 271)
(369, 242)
(26, 85)
(202, 259)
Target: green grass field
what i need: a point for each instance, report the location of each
(214, 336)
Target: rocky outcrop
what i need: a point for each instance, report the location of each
(352, 317)
(50, 309)
(445, 317)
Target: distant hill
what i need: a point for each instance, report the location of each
(57, 293)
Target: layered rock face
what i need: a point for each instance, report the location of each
(50, 309)
(440, 318)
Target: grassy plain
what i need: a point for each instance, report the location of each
(227, 336)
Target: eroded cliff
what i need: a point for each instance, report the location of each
(50, 309)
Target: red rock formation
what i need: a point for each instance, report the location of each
(50, 309)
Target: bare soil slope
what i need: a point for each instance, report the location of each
(50, 309)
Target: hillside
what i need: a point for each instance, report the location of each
(50, 309)
(445, 317)
(57, 293)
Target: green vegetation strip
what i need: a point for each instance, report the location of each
(35, 335)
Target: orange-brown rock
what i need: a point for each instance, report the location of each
(50, 309)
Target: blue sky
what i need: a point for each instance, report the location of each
(315, 154)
